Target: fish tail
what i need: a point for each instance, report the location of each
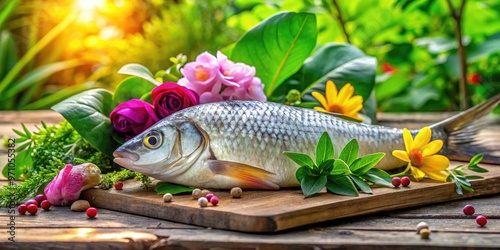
(460, 134)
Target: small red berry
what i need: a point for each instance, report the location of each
(40, 197)
(474, 78)
(481, 220)
(209, 196)
(396, 181)
(32, 209)
(405, 181)
(31, 201)
(45, 205)
(91, 212)
(119, 185)
(22, 209)
(214, 200)
(469, 210)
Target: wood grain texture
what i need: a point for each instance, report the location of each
(272, 211)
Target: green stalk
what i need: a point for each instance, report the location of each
(18, 67)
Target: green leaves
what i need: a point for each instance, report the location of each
(131, 88)
(165, 187)
(344, 175)
(138, 70)
(88, 113)
(461, 178)
(277, 47)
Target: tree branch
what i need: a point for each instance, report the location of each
(341, 20)
(457, 16)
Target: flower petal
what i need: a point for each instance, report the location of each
(423, 137)
(417, 173)
(434, 163)
(320, 98)
(354, 102)
(320, 109)
(330, 93)
(432, 148)
(402, 155)
(345, 93)
(438, 176)
(408, 140)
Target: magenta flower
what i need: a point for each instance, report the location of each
(171, 97)
(218, 78)
(132, 118)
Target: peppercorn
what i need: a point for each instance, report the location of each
(236, 192)
(396, 181)
(203, 202)
(214, 200)
(119, 185)
(468, 210)
(405, 181)
(167, 197)
(196, 193)
(22, 209)
(45, 205)
(91, 212)
(32, 209)
(481, 220)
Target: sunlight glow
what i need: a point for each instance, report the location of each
(90, 4)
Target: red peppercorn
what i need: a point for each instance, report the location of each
(214, 200)
(119, 185)
(32, 209)
(481, 220)
(45, 205)
(469, 210)
(39, 198)
(396, 181)
(31, 201)
(209, 196)
(91, 212)
(405, 181)
(474, 78)
(22, 209)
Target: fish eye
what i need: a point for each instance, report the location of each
(153, 140)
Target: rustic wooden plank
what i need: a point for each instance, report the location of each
(272, 211)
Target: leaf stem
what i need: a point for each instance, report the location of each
(341, 20)
(457, 15)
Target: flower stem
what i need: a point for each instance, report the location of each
(341, 20)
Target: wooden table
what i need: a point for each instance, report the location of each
(64, 229)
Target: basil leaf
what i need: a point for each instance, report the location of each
(300, 159)
(301, 172)
(324, 148)
(166, 187)
(378, 176)
(341, 185)
(311, 185)
(361, 184)
(326, 167)
(366, 162)
(138, 70)
(131, 88)
(350, 152)
(340, 168)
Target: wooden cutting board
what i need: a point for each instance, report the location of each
(272, 211)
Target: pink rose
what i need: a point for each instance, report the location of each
(132, 118)
(202, 73)
(171, 97)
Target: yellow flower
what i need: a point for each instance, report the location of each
(421, 155)
(341, 102)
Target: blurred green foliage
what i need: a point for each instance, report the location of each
(413, 41)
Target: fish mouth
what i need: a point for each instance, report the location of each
(125, 159)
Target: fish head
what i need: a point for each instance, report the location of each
(166, 149)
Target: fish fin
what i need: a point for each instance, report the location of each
(249, 176)
(462, 142)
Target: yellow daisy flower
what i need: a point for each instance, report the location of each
(421, 156)
(341, 102)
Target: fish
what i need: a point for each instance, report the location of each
(241, 143)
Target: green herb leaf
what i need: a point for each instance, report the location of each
(478, 169)
(311, 185)
(277, 47)
(88, 113)
(350, 152)
(476, 160)
(361, 184)
(378, 176)
(458, 188)
(341, 185)
(474, 177)
(301, 172)
(165, 187)
(326, 167)
(324, 149)
(138, 70)
(340, 168)
(300, 159)
(131, 88)
(366, 162)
